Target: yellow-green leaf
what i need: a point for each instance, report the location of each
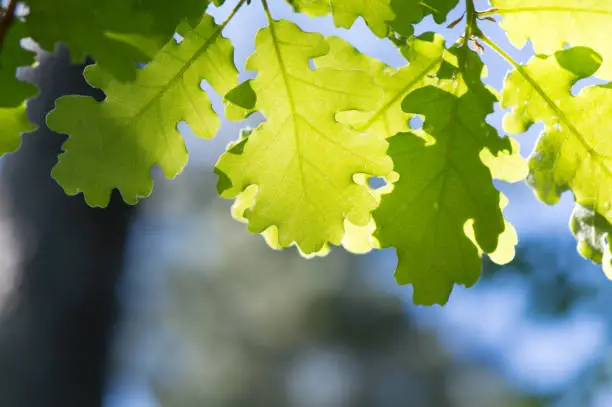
(573, 152)
(302, 161)
(552, 24)
(13, 122)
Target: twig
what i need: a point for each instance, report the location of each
(7, 19)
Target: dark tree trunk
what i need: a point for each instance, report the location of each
(55, 333)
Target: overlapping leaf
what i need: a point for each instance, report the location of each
(425, 55)
(118, 34)
(376, 13)
(301, 160)
(443, 184)
(574, 151)
(551, 24)
(388, 119)
(409, 12)
(114, 144)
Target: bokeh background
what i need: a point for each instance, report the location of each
(174, 304)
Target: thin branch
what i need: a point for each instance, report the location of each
(7, 19)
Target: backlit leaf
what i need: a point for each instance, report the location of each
(114, 143)
(302, 161)
(443, 184)
(573, 152)
(551, 24)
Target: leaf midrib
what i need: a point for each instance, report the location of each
(402, 93)
(563, 117)
(200, 51)
(293, 111)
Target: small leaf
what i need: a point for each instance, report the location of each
(593, 233)
(114, 143)
(13, 122)
(240, 102)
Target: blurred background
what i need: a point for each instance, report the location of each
(172, 303)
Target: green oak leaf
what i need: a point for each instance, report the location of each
(376, 13)
(118, 34)
(301, 160)
(438, 9)
(13, 122)
(573, 152)
(443, 184)
(114, 143)
(13, 92)
(407, 13)
(551, 24)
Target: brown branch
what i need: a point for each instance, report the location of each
(7, 19)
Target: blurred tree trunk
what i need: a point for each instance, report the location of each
(55, 332)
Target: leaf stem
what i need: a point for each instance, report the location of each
(488, 12)
(471, 15)
(232, 14)
(429, 7)
(471, 30)
(502, 53)
(267, 10)
(7, 19)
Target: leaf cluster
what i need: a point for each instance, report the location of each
(337, 119)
